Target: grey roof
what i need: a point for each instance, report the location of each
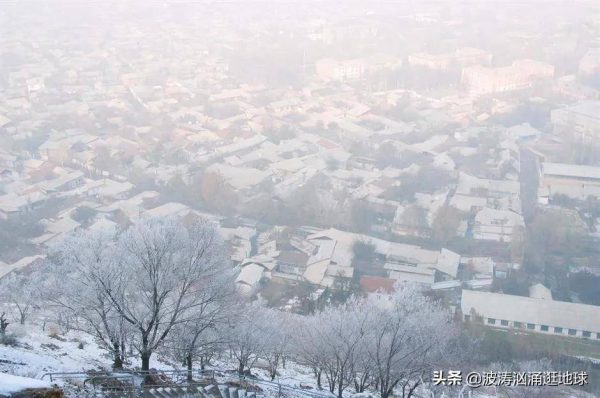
(570, 170)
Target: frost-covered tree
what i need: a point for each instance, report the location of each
(303, 348)
(151, 276)
(246, 336)
(408, 336)
(332, 342)
(75, 282)
(276, 333)
(21, 292)
(200, 335)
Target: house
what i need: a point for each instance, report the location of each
(5, 269)
(376, 285)
(249, 277)
(419, 273)
(537, 314)
(13, 204)
(64, 182)
(497, 225)
(240, 241)
(291, 262)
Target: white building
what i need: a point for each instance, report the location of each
(540, 315)
(572, 180)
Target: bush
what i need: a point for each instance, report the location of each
(9, 340)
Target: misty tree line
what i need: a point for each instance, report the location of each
(167, 287)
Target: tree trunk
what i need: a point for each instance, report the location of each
(117, 356)
(411, 391)
(145, 362)
(319, 384)
(3, 324)
(241, 368)
(189, 363)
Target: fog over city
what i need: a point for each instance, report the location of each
(307, 199)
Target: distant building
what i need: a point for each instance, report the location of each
(582, 118)
(464, 56)
(590, 62)
(538, 314)
(331, 69)
(480, 80)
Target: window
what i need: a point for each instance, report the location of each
(557, 330)
(586, 334)
(467, 318)
(544, 328)
(504, 323)
(598, 336)
(491, 321)
(530, 326)
(572, 332)
(517, 324)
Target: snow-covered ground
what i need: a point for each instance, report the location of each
(38, 353)
(10, 384)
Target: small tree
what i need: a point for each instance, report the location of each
(199, 335)
(445, 224)
(3, 325)
(22, 292)
(246, 337)
(277, 340)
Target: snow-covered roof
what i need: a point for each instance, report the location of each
(168, 209)
(250, 274)
(448, 262)
(22, 263)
